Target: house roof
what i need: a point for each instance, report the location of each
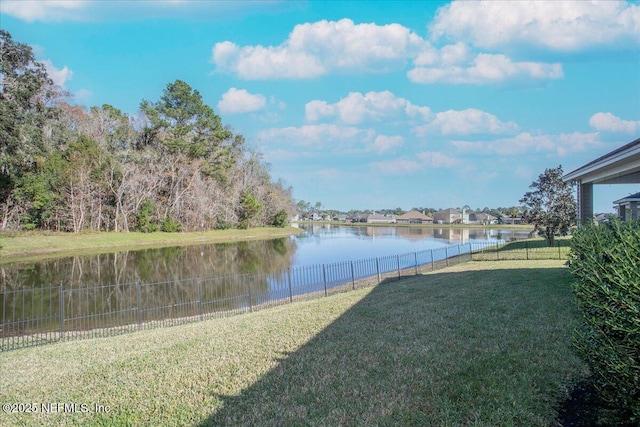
(484, 216)
(620, 166)
(629, 198)
(449, 211)
(376, 216)
(413, 215)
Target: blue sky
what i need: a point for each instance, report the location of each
(370, 105)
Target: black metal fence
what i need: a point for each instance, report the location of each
(48, 314)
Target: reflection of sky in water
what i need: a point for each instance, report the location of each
(325, 244)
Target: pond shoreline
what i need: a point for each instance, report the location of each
(428, 226)
(37, 246)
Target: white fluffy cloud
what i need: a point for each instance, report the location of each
(435, 159)
(384, 143)
(482, 69)
(318, 136)
(525, 142)
(314, 49)
(240, 101)
(466, 122)
(58, 75)
(556, 25)
(421, 161)
(41, 10)
(91, 10)
(83, 95)
(357, 108)
(609, 122)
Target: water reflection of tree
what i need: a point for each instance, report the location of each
(170, 281)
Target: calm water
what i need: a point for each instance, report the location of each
(317, 244)
(321, 244)
(112, 291)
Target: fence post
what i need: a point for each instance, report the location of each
(446, 255)
(353, 277)
(139, 303)
(526, 248)
(497, 251)
(398, 261)
(432, 267)
(558, 243)
(249, 291)
(415, 257)
(470, 251)
(378, 270)
(290, 292)
(324, 278)
(200, 298)
(61, 294)
(4, 311)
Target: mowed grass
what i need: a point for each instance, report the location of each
(480, 343)
(529, 249)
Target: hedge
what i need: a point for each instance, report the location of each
(605, 260)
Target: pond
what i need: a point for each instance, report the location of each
(52, 298)
(325, 243)
(317, 244)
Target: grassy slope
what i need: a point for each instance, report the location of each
(481, 343)
(26, 246)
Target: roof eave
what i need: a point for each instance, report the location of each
(616, 156)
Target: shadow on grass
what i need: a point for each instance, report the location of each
(485, 347)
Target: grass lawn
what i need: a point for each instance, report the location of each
(528, 249)
(480, 343)
(26, 246)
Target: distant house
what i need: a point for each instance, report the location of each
(601, 217)
(374, 218)
(512, 220)
(482, 218)
(340, 217)
(447, 216)
(414, 217)
(628, 207)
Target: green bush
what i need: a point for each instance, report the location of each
(223, 225)
(605, 260)
(249, 208)
(144, 218)
(280, 219)
(170, 225)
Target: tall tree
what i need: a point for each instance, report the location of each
(550, 207)
(249, 208)
(73, 168)
(22, 115)
(184, 124)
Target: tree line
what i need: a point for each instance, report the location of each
(306, 208)
(175, 166)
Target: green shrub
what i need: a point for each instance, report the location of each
(280, 219)
(144, 218)
(170, 225)
(223, 225)
(249, 208)
(605, 260)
